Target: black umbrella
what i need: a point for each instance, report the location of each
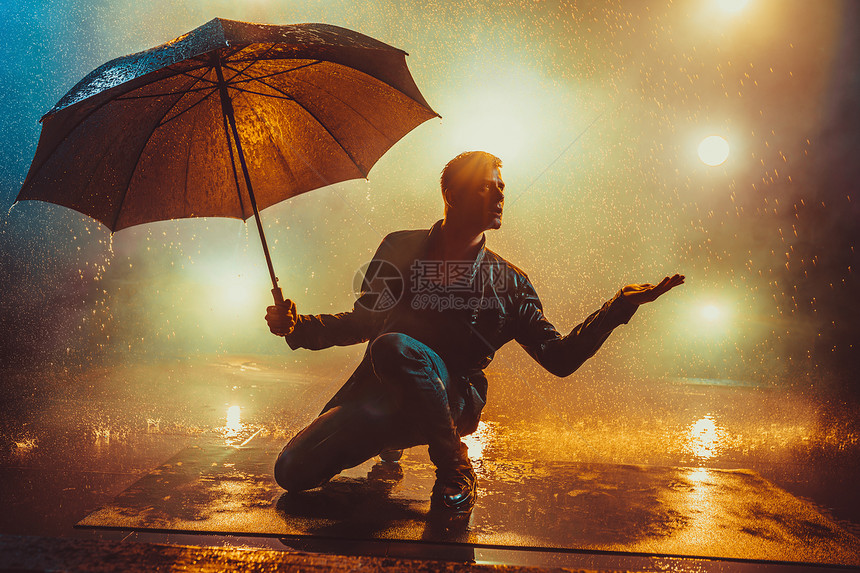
(158, 134)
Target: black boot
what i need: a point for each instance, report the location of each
(392, 456)
(456, 484)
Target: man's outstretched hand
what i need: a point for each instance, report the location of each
(640, 294)
(282, 317)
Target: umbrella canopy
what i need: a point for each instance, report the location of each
(156, 135)
(142, 138)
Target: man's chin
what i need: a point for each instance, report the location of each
(495, 223)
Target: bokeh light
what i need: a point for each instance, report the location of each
(491, 119)
(704, 438)
(768, 243)
(233, 290)
(234, 420)
(732, 5)
(508, 111)
(713, 150)
(620, 206)
(480, 440)
(711, 312)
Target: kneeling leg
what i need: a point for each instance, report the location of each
(340, 438)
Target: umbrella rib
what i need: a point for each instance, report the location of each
(207, 67)
(189, 108)
(137, 162)
(256, 60)
(243, 90)
(272, 75)
(86, 116)
(190, 139)
(205, 64)
(327, 130)
(197, 79)
(284, 161)
(358, 113)
(325, 127)
(132, 97)
(200, 78)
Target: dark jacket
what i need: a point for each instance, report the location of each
(499, 305)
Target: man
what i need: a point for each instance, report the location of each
(435, 306)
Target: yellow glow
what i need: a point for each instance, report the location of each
(495, 125)
(235, 294)
(713, 150)
(479, 440)
(234, 420)
(704, 438)
(711, 313)
(732, 5)
(26, 445)
(511, 115)
(234, 291)
(698, 476)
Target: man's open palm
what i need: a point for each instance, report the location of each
(640, 294)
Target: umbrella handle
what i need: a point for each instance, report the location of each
(278, 295)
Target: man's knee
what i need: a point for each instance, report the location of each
(290, 472)
(388, 349)
(341, 437)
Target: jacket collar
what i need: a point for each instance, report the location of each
(435, 234)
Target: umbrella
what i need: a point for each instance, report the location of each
(182, 129)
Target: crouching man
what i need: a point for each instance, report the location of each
(435, 306)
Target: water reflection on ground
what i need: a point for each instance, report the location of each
(128, 419)
(538, 504)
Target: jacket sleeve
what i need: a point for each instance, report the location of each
(562, 355)
(319, 331)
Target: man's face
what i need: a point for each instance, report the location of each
(484, 200)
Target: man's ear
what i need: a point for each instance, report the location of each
(449, 197)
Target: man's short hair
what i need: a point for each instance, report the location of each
(465, 168)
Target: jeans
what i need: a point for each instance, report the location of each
(413, 403)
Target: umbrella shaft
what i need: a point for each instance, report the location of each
(227, 108)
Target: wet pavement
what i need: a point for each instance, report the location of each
(40, 554)
(691, 468)
(642, 509)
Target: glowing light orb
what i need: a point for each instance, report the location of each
(711, 313)
(713, 150)
(477, 441)
(704, 438)
(493, 122)
(732, 5)
(510, 114)
(234, 419)
(234, 290)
